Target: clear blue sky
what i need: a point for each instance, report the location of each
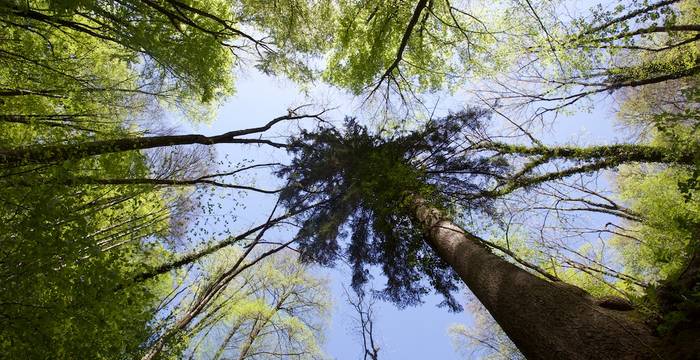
(412, 333)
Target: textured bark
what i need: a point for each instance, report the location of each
(41, 154)
(545, 320)
(614, 154)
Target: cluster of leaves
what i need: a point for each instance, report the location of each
(66, 246)
(638, 43)
(665, 243)
(667, 196)
(66, 249)
(75, 72)
(660, 247)
(365, 185)
(277, 308)
(181, 51)
(426, 44)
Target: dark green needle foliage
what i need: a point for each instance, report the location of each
(365, 184)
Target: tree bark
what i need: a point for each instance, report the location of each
(43, 154)
(616, 154)
(545, 320)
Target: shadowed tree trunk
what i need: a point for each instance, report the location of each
(378, 187)
(42, 154)
(546, 320)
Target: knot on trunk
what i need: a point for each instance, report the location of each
(615, 303)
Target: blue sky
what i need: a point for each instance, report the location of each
(411, 333)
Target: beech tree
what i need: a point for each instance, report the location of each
(39, 154)
(276, 309)
(198, 44)
(546, 54)
(81, 82)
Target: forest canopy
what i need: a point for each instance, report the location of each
(133, 226)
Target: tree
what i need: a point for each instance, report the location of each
(405, 45)
(364, 319)
(41, 154)
(91, 195)
(580, 160)
(391, 194)
(80, 79)
(548, 54)
(485, 339)
(197, 46)
(561, 59)
(65, 249)
(275, 309)
(664, 249)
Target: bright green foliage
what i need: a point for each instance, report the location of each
(667, 198)
(369, 39)
(665, 236)
(277, 307)
(566, 48)
(66, 249)
(663, 245)
(80, 71)
(609, 47)
(102, 50)
(660, 248)
(63, 91)
(603, 48)
(182, 51)
(301, 30)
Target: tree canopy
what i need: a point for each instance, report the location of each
(120, 223)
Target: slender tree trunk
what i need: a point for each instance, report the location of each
(617, 154)
(232, 332)
(88, 180)
(42, 154)
(199, 254)
(545, 320)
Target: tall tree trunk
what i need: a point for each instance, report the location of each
(615, 154)
(42, 154)
(545, 320)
